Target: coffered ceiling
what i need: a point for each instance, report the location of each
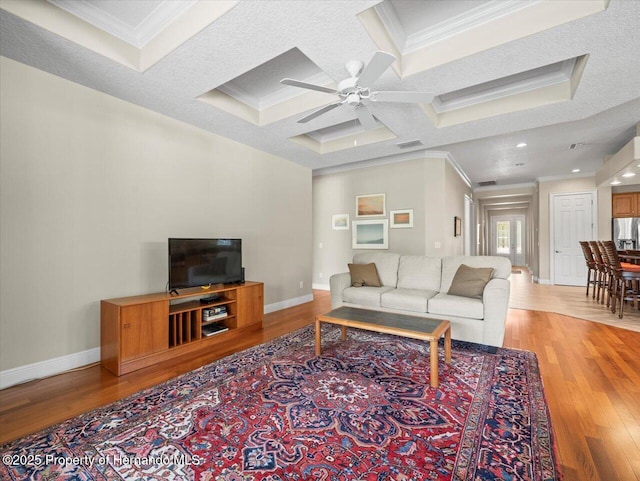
(503, 72)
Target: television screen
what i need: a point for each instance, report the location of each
(200, 262)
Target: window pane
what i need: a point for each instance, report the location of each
(503, 237)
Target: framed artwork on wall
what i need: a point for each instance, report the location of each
(370, 205)
(401, 219)
(370, 234)
(340, 221)
(457, 226)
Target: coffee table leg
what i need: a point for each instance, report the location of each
(434, 362)
(344, 333)
(447, 346)
(318, 338)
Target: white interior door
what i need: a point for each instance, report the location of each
(572, 222)
(508, 238)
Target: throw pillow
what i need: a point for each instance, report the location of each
(470, 281)
(364, 275)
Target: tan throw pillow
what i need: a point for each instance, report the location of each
(470, 281)
(364, 275)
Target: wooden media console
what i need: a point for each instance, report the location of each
(140, 331)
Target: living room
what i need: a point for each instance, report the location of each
(99, 170)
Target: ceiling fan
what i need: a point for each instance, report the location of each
(357, 88)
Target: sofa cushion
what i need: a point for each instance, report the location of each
(448, 305)
(470, 281)
(386, 265)
(419, 272)
(364, 275)
(367, 296)
(407, 299)
(501, 267)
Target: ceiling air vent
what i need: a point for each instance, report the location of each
(486, 183)
(576, 146)
(409, 143)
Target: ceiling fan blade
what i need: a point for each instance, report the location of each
(376, 67)
(365, 117)
(305, 85)
(319, 112)
(405, 97)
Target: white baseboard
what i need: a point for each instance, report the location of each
(50, 367)
(320, 287)
(546, 282)
(278, 306)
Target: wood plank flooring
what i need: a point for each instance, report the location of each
(590, 370)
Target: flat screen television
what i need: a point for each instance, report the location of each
(201, 262)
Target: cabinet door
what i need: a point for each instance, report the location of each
(624, 205)
(250, 305)
(144, 329)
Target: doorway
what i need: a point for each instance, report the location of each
(508, 238)
(572, 221)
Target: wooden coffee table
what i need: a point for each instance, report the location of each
(413, 327)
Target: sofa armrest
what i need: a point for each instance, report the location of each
(337, 284)
(496, 304)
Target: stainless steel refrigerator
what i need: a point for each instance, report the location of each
(625, 233)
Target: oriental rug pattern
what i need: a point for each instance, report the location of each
(364, 410)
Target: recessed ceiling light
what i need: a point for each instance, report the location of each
(616, 182)
(575, 171)
(521, 144)
(628, 174)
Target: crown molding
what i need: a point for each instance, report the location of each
(279, 96)
(525, 185)
(392, 24)
(163, 15)
(577, 175)
(463, 22)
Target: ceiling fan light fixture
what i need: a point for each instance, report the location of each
(356, 89)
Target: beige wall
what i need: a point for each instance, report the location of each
(429, 186)
(91, 188)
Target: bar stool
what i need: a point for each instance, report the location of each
(592, 268)
(602, 279)
(625, 279)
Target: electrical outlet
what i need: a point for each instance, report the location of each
(320, 245)
(301, 284)
(320, 275)
(438, 245)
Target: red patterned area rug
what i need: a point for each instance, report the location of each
(364, 410)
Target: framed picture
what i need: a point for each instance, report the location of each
(370, 205)
(401, 219)
(370, 234)
(457, 226)
(340, 221)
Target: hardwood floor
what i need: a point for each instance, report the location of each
(591, 374)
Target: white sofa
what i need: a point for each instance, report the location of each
(418, 285)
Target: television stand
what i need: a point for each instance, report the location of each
(141, 331)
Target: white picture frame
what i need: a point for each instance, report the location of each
(370, 234)
(340, 222)
(371, 205)
(401, 219)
